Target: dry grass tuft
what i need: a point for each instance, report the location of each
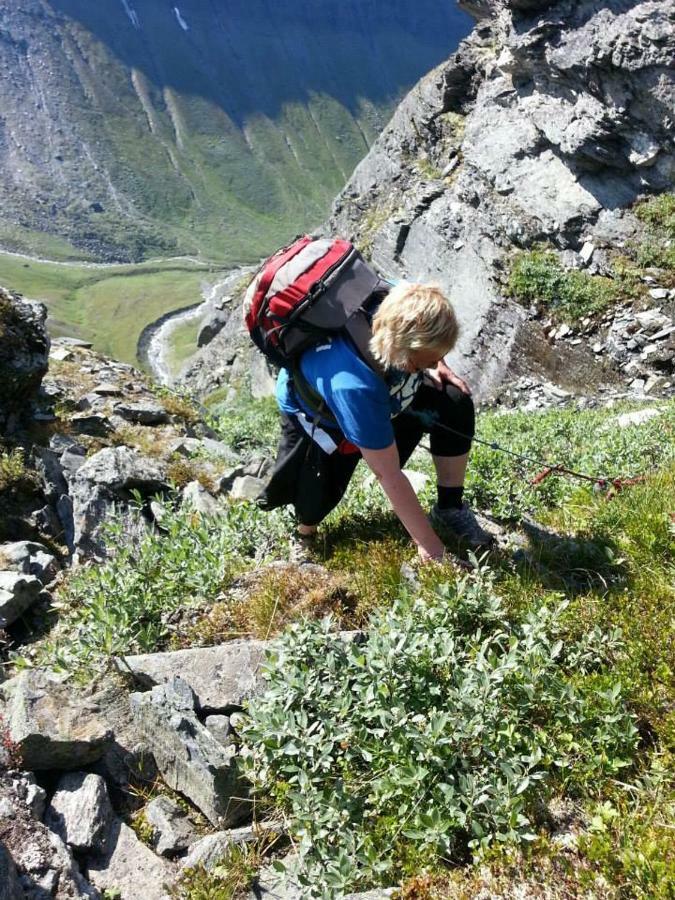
(263, 603)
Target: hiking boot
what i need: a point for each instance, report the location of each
(462, 523)
(302, 548)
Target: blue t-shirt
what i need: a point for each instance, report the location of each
(362, 402)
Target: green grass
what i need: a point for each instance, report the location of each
(182, 344)
(537, 277)
(108, 305)
(656, 247)
(603, 562)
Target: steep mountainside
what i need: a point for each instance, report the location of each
(513, 168)
(550, 121)
(134, 128)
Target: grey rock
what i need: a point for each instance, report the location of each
(61, 354)
(80, 811)
(247, 487)
(195, 496)
(221, 728)
(18, 593)
(107, 389)
(263, 377)
(32, 559)
(29, 792)
(24, 357)
(90, 423)
(102, 487)
(53, 726)
(190, 759)
(78, 343)
(586, 252)
(659, 293)
(171, 825)
(48, 466)
(44, 865)
(145, 413)
(222, 677)
(227, 479)
(10, 887)
(128, 867)
(208, 851)
(653, 320)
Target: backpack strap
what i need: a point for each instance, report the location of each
(359, 328)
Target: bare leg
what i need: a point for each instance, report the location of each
(451, 470)
(307, 529)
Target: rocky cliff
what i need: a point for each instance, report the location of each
(549, 122)
(540, 134)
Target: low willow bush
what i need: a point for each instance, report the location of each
(439, 734)
(588, 441)
(539, 277)
(126, 604)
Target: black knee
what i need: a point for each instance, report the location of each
(456, 423)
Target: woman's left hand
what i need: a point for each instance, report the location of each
(443, 374)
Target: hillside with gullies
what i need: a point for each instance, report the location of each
(187, 710)
(133, 129)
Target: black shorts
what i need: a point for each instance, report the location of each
(314, 480)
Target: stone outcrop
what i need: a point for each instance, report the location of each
(24, 351)
(222, 677)
(549, 119)
(52, 726)
(189, 757)
(103, 486)
(80, 811)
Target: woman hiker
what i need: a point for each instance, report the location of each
(376, 415)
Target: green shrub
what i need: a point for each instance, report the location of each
(588, 441)
(659, 213)
(125, 604)
(251, 425)
(656, 249)
(538, 277)
(442, 730)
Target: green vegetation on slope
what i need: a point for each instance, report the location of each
(538, 277)
(108, 305)
(539, 666)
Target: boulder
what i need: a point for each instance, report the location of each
(210, 850)
(18, 593)
(189, 757)
(31, 559)
(51, 725)
(222, 677)
(196, 497)
(80, 811)
(102, 486)
(129, 870)
(173, 830)
(24, 356)
(246, 488)
(143, 413)
(10, 888)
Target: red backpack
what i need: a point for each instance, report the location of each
(314, 288)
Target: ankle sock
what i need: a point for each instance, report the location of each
(449, 497)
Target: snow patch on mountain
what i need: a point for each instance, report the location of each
(181, 21)
(131, 12)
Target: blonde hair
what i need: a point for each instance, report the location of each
(412, 317)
